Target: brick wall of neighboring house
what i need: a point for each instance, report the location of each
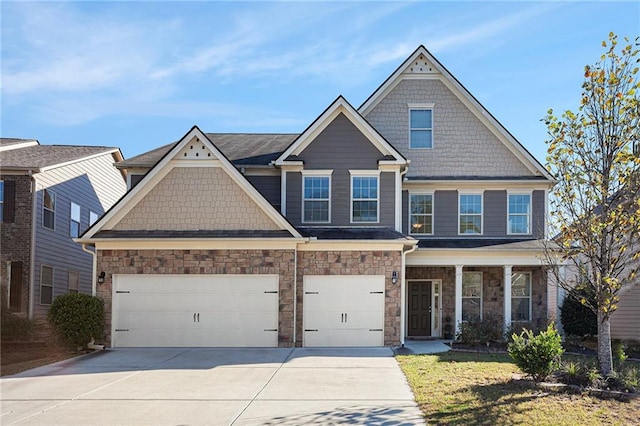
(355, 263)
(15, 240)
(492, 290)
(280, 262)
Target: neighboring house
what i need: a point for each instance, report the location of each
(50, 194)
(400, 219)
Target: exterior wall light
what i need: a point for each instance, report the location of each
(394, 277)
(101, 277)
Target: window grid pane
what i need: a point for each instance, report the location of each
(521, 296)
(421, 207)
(471, 296)
(48, 209)
(420, 128)
(470, 210)
(316, 199)
(365, 199)
(519, 213)
(46, 285)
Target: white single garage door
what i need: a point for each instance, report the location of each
(195, 311)
(343, 310)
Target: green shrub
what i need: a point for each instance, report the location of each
(77, 318)
(578, 319)
(536, 355)
(488, 329)
(15, 327)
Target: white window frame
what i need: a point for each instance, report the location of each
(525, 273)
(93, 217)
(417, 107)
(69, 288)
(481, 214)
(44, 208)
(474, 297)
(529, 215)
(73, 219)
(130, 176)
(53, 273)
(364, 174)
(432, 194)
(316, 173)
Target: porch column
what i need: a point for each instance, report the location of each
(507, 297)
(560, 296)
(458, 297)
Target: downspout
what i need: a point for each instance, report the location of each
(295, 294)
(32, 254)
(94, 256)
(403, 293)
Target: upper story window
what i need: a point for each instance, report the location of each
(316, 199)
(421, 213)
(74, 224)
(7, 201)
(134, 178)
(471, 296)
(48, 209)
(421, 127)
(521, 296)
(364, 198)
(470, 214)
(519, 221)
(93, 217)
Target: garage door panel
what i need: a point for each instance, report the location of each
(344, 310)
(196, 310)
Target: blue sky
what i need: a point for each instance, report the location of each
(138, 75)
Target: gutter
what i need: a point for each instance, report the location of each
(32, 255)
(403, 283)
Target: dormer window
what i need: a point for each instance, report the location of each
(421, 126)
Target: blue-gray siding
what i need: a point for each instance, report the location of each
(341, 147)
(495, 213)
(94, 185)
(269, 187)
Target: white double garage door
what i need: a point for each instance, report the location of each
(242, 310)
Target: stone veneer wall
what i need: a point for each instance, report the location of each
(492, 290)
(280, 262)
(355, 263)
(15, 240)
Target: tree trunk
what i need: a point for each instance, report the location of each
(605, 360)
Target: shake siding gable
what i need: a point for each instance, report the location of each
(193, 198)
(462, 145)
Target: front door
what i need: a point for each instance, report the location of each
(419, 309)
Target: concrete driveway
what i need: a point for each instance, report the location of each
(213, 387)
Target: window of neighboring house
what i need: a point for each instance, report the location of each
(74, 281)
(470, 214)
(519, 221)
(74, 226)
(364, 198)
(521, 296)
(134, 179)
(316, 199)
(93, 217)
(46, 285)
(48, 209)
(421, 128)
(421, 213)
(471, 296)
(7, 201)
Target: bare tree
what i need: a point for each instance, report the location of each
(595, 204)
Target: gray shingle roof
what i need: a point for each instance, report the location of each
(483, 243)
(41, 156)
(240, 148)
(353, 233)
(145, 234)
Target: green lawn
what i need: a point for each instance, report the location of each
(469, 389)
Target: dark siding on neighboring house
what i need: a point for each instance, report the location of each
(341, 147)
(269, 187)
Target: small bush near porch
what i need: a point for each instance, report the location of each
(477, 388)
